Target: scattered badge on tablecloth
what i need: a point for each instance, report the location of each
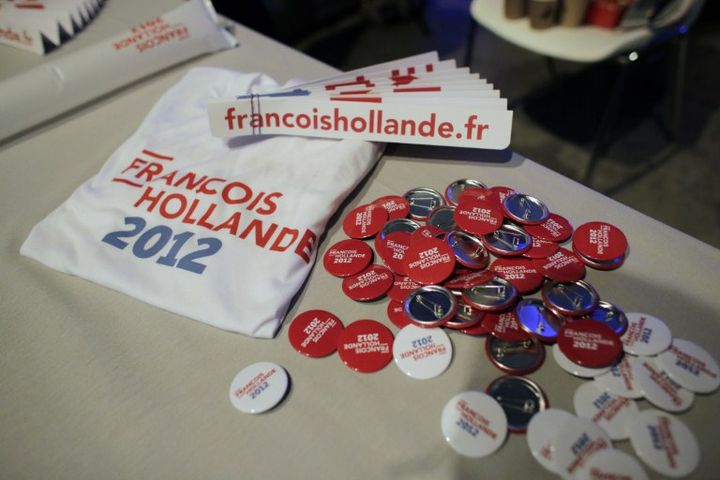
(418, 99)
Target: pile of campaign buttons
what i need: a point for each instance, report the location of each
(489, 262)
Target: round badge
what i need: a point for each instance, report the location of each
(611, 464)
(259, 387)
(609, 265)
(664, 443)
(396, 314)
(621, 378)
(645, 335)
(370, 284)
(494, 295)
(430, 306)
(465, 316)
(690, 366)
(429, 261)
(570, 298)
(442, 217)
(467, 280)
(364, 221)
(422, 201)
(659, 389)
(573, 368)
(469, 251)
(561, 266)
(515, 358)
(541, 249)
(398, 225)
(538, 320)
(600, 241)
(347, 257)
(427, 231)
(314, 333)
(402, 286)
(541, 432)
(486, 195)
(611, 315)
(609, 411)
(395, 205)
(521, 272)
(509, 240)
(501, 193)
(589, 343)
(365, 346)
(520, 398)
(555, 228)
(525, 209)
(505, 326)
(576, 442)
(392, 249)
(474, 424)
(422, 353)
(478, 217)
(456, 188)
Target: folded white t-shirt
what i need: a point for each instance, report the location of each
(221, 232)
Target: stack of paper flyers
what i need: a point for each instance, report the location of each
(418, 99)
(43, 25)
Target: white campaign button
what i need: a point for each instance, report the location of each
(422, 353)
(259, 387)
(573, 368)
(622, 378)
(659, 389)
(575, 443)
(541, 433)
(645, 335)
(690, 366)
(664, 443)
(609, 411)
(474, 424)
(612, 464)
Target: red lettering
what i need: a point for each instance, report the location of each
(285, 233)
(148, 197)
(305, 246)
(165, 209)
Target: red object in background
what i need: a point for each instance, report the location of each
(606, 13)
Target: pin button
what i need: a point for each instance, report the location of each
(525, 209)
(370, 284)
(347, 257)
(365, 346)
(589, 343)
(422, 201)
(478, 217)
(455, 189)
(469, 251)
(493, 295)
(430, 306)
(474, 424)
(516, 358)
(259, 387)
(508, 240)
(314, 333)
(364, 221)
(395, 205)
(520, 399)
(537, 320)
(570, 298)
(442, 217)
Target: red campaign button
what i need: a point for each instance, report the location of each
(396, 314)
(314, 333)
(589, 343)
(562, 266)
(364, 221)
(600, 241)
(402, 286)
(501, 193)
(479, 329)
(395, 205)
(347, 257)
(478, 194)
(427, 231)
(365, 346)
(520, 272)
(478, 216)
(555, 229)
(392, 249)
(541, 249)
(370, 284)
(467, 280)
(505, 326)
(429, 261)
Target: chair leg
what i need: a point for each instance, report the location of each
(606, 123)
(469, 48)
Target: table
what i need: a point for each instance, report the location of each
(96, 384)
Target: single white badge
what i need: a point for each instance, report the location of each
(664, 443)
(645, 335)
(541, 433)
(259, 387)
(660, 390)
(576, 442)
(621, 379)
(573, 368)
(611, 464)
(422, 353)
(690, 366)
(474, 424)
(609, 411)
